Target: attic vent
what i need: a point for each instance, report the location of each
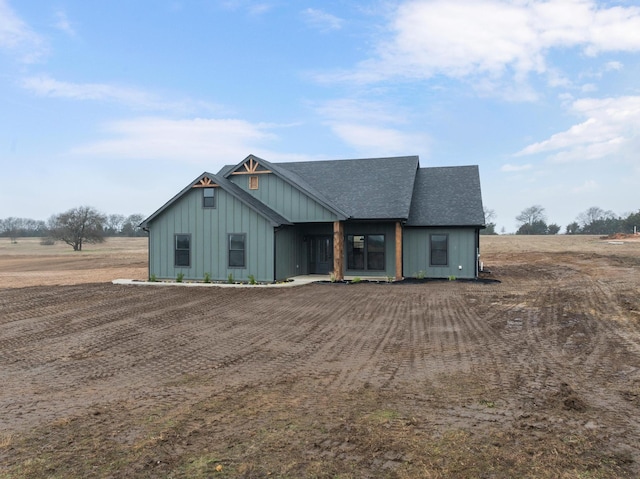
(205, 182)
(253, 182)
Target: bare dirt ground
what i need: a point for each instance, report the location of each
(536, 376)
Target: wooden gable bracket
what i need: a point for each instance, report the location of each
(251, 167)
(205, 182)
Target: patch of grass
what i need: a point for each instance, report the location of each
(487, 403)
(207, 278)
(383, 416)
(179, 277)
(204, 466)
(252, 280)
(5, 440)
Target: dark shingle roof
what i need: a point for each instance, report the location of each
(373, 188)
(447, 196)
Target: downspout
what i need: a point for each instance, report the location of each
(275, 264)
(477, 252)
(275, 259)
(146, 230)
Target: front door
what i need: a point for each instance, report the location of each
(320, 254)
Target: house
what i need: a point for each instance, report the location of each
(382, 217)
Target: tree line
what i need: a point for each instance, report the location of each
(593, 221)
(76, 226)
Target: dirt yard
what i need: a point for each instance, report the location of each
(537, 376)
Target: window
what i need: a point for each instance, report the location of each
(439, 250)
(209, 197)
(237, 255)
(253, 182)
(365, 252)
(183, 250)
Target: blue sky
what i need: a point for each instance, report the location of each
(121, 105)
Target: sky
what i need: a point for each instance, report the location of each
(120, 105)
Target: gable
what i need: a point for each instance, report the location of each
(209, 180)
(285, 192)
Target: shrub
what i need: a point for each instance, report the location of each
(207, 278)
(153, 278)
(179, 278)
(230, 278)
(252, 279)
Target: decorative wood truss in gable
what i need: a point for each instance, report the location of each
(250, 167)
(205, 182)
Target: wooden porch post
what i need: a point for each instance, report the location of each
(398, 251)
(338, 250)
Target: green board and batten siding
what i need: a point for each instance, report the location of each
(209, 229)
(461, 252)
(285, 199)
(290, 252)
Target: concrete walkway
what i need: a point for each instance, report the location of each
(295, 281)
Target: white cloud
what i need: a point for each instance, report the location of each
(259, 9)
(17, 38)
(203, 141)
(488, 41)
(63, 24)
(250, 6)
(322, 21)
(139, 99)
(611, 130)
(508, 168)
(370, 127)
(375, 141)
(349, 109)
(613, 66)
(588, 186)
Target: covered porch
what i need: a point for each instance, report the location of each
(341, 250)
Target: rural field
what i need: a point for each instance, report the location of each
(535, 375)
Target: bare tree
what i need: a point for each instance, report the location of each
(131, 226)
(489, 217)
(593, 215)
(11, 227)
(114, 224)
(531, 215)
(77, 226)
